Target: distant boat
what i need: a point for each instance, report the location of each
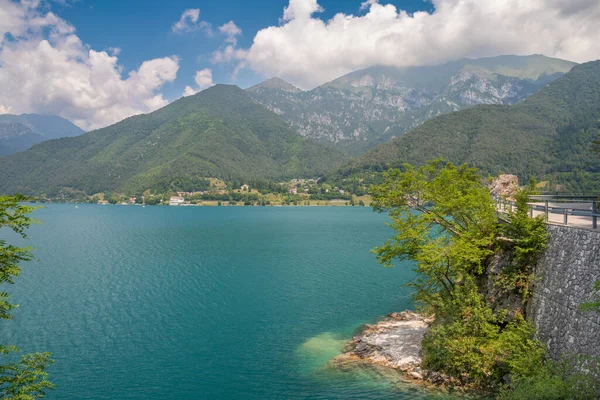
(76, 206)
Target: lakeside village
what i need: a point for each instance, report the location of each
(216, 192)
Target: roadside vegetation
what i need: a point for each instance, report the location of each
(23, 378)
(474, 274)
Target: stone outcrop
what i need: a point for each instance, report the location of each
(567, 273)
(394, 342)
(505, 186)
(394, 345)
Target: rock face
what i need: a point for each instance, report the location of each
(394, 343)
(365, 108)
(505, 186)
(568, 271)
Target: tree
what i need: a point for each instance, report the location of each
(445, 221)
(27, 378)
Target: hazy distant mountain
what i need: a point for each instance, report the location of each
(548, 135)
(219, 132)
(365, 108)
(20, 132)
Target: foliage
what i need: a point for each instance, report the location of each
(25, 379)
(331, 196)
(471, 343)
(548, 135)
(567, 379)
(446, 223)
(528, 240)
(219, 133)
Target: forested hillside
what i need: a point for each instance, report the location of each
(549, 136)
(219, 132)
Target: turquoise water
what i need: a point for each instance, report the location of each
(204, 303)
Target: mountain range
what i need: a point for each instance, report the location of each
(20, 132)
(365, 108)
(228, 133)
(219, 133)
(548, 135)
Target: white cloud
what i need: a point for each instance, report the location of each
(114, 51)
(45, 68)
(301, 10)
(189, 21)
(231, 30)
(203, 80)
(309, 51)
(367, 4)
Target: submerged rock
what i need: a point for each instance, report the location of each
(394, 343)
(392, 349)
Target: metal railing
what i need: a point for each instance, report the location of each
(565, 205)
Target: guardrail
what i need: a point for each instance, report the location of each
(583, 207)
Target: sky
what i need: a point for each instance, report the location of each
(96, 62)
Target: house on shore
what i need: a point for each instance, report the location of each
(176, 201)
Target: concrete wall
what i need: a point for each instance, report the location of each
(568, 271)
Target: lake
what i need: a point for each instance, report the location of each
(204, 302)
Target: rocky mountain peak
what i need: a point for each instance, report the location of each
(275, 83)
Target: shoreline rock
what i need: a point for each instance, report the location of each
(394, 342)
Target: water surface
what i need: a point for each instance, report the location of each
(210, 303)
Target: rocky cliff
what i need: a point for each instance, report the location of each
(365, 108)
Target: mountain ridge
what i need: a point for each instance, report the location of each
(275, 83)
(219, 132)
(548, 136)
(367, 107)
(20, 132)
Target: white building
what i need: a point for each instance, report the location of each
(176, 201)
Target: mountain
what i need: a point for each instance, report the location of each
(219, 132)
(365, 108)
(20, 132)
(274, 84)
(549, 135)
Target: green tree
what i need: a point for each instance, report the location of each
(528, 239)
(445, 220)
(26, 378)
(446, 223)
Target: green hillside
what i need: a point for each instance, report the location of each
(219, 132)
(549, 136)
(365, 108)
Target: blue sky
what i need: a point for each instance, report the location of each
(142, 30)
(58, 56)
